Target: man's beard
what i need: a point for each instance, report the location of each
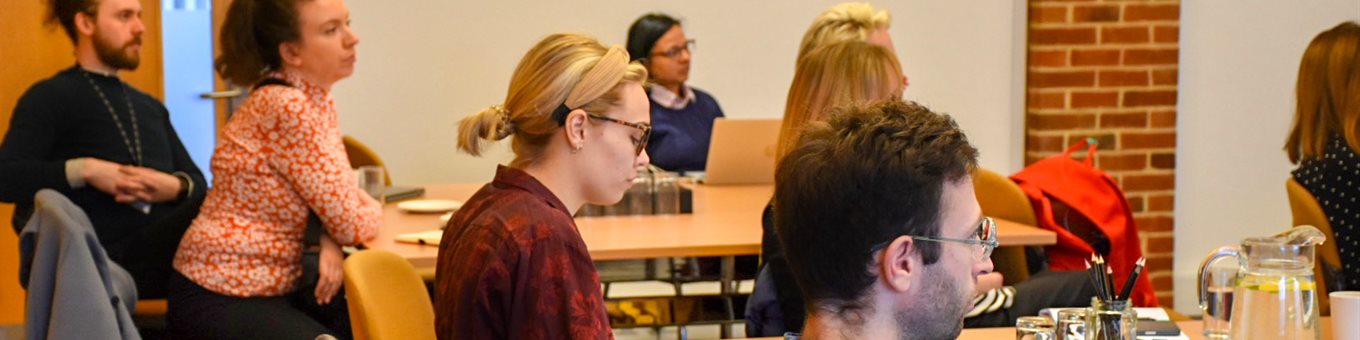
(945, 301)
(117, 57)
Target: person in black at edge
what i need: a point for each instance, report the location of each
(107, 146)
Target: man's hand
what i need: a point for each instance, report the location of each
(105, 176)
(331, 269)
(150, 185)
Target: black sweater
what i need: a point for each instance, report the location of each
(62, 118)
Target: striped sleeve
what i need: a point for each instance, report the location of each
(994, 300)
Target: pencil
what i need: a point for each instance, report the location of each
(1095, 283)
(1133, 277)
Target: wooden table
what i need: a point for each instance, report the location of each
(1194, 329)
(725, 222)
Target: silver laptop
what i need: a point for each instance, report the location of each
(742, 151)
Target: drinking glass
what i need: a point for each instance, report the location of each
(1071, 324)
(373, 181)
(1111, 320)
(1218, 303)
(1034, 328)
(666, 196)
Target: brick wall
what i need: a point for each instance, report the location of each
(1107, 70)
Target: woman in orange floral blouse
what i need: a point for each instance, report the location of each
(512, 264)
(280, 158)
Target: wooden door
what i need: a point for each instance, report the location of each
(33, 52)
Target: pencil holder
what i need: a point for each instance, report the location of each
(1111, 320)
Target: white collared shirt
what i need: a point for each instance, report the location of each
(667, 99)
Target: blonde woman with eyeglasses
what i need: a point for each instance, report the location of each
(512, 264)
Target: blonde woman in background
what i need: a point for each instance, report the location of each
(808, 99)
(512, 264)
(829, 76)
(850, 73)
(835, 77)
(851, 21)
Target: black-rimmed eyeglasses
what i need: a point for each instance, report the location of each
(674, 52)
(639, 143)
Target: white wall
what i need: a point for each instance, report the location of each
(1238, 66)
(425, 64)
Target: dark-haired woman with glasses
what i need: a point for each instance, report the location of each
(512, 264)
(681, 115)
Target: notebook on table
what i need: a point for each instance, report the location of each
(396, 193)
(431, 237)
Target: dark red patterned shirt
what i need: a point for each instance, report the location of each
(512, 265)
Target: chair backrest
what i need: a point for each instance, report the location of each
(74, 289)
(1307, 211)
(387, 299)
(1001, 198)
(361, 155)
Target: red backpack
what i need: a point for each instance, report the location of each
(1087, 210)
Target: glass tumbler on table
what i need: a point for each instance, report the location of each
(1071, 324)
(373, 180)
(1034, 328)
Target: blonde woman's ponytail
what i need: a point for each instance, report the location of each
(492, 123)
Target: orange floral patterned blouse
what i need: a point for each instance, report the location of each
(279, 156)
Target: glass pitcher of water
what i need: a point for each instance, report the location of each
(1274, 296)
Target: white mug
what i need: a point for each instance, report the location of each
(1345, 311)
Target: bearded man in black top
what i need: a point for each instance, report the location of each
(107, 146)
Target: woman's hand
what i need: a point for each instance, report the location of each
(331, 269)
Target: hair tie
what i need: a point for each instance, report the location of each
(507, 127)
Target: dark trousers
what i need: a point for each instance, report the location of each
(148, 256)
(198, 313)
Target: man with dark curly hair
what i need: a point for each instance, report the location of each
(880, 224)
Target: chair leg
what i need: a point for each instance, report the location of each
(649, 269)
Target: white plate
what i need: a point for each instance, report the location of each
(429, 206)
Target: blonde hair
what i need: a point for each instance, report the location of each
(852, 72)
(563, 69)
(1328, 94)
(851, 21)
